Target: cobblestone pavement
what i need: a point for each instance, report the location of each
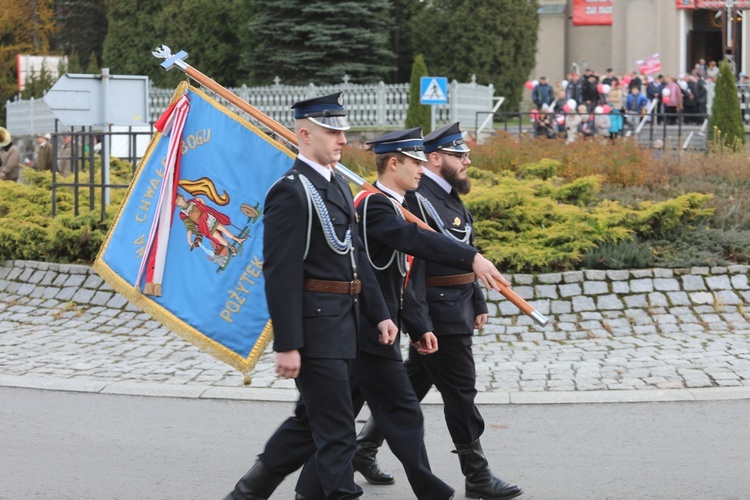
(104, 342)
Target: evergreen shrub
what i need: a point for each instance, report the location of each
(725, 124)
(621, 255)
(29, 232)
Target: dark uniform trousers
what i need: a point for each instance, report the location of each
(452, 371)
(322, 326)
(316, 431)
(452, 310)
(379, 375)
(392, 402)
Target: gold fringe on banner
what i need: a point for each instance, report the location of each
(144, 303)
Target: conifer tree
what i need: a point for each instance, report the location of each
(418, 115)
(74, 63)
(499, 46)
(725, 124)
(131, 36)
(37, 83)
(82, 28)
(320, 41)
(93, 66)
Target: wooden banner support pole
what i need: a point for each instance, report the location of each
(178, 61)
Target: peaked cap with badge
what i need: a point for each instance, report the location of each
(327, 111)
(408, 142)
(448, 138)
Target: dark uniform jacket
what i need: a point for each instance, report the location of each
(383, 230)
(320, 325)
(452, 309)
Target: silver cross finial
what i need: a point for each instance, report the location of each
(177, 59)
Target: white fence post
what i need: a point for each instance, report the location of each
(380, 105)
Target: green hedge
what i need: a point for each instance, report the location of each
(529, 219)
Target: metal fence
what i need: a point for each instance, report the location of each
(369, 106)
(675, 131)
(83, 179)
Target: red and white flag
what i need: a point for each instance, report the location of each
(650, 65)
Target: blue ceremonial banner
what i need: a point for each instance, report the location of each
(203, 256)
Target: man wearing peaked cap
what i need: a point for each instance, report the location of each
(327, 111)
(315, 274)
(409, 142)
(447, 138)
(379, 375)
(456, 307)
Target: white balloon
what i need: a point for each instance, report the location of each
(682, 84)
(572, 103)
(564, 84)
(598, 110)
(665, 92)
(535, 82)
(606, 88)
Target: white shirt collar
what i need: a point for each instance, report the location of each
(440, 181)
(324, 171)
(399, 198)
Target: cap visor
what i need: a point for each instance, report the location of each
(458, 148)
(417, 155)
(332, 122)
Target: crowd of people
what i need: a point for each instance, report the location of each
(69, 155)
(595, 104)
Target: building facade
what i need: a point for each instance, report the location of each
(601, 34)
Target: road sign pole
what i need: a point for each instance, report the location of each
(105, 139)
(432, 118)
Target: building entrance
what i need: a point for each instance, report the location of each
(707, 39)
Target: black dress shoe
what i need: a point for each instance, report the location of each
(371, 471)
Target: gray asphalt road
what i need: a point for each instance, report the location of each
(62, 445)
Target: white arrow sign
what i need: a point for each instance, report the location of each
(89, 100)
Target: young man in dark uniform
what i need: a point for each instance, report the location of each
(379, 375)
(456, 307)
(316, 282)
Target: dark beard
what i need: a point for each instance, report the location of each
(462, 186)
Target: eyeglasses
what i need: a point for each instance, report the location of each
(460, 156)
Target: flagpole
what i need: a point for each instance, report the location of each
(178, 60)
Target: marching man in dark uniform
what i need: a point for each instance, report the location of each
(316, 282)
(379, 374)
(456, 307)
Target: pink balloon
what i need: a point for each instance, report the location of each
(530, 85)
(534, 114)
(606, 108)
(566, 108)
(626, 79)
(600, 88)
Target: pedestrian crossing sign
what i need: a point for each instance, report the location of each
(433, 90)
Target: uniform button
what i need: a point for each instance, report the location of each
(318, 310)
(442, 294)
(355, 300)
